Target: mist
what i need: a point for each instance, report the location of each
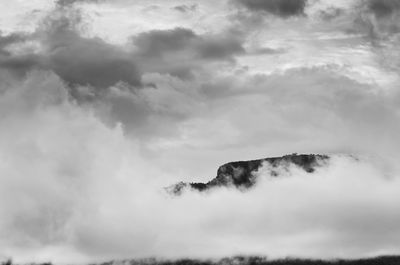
(73, 184)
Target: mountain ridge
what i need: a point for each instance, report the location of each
(240, 174)
(260, 260)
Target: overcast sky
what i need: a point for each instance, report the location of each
(103, 103)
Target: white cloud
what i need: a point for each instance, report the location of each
(70, 184)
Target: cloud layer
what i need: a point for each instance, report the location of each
(74, 189)
(284, 8)
(102, 105)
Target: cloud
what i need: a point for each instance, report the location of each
(282, 8)
(66, 3)
(73, 185)
(16, 64)
(86, 61)
(331, 13)
(21, 64)
(77, 60)
(91, 61)
(180, 51)
(217, 119)
(377, 19)
(42, 214)
(155, 43)
(186, 8)
(220, 48)
(9, 39)
(383, 8)
(82, 180)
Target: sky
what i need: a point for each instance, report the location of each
(103, 103)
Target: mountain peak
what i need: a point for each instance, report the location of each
(241, 174)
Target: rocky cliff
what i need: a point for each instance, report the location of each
(241, 174)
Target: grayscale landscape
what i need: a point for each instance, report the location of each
(200, 132)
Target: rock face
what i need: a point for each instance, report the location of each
(241, 174)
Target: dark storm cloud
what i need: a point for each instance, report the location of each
(383, 8)
(9, 39)
(16, 64)
(377, 19)
(214, 48)
(179, 51)
(76, 59)
(21, 64)
(85, 61)
(283, 8)
(80, 60)
(158, 43)
(90, 61)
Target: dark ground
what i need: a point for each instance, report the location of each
(247, 260)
